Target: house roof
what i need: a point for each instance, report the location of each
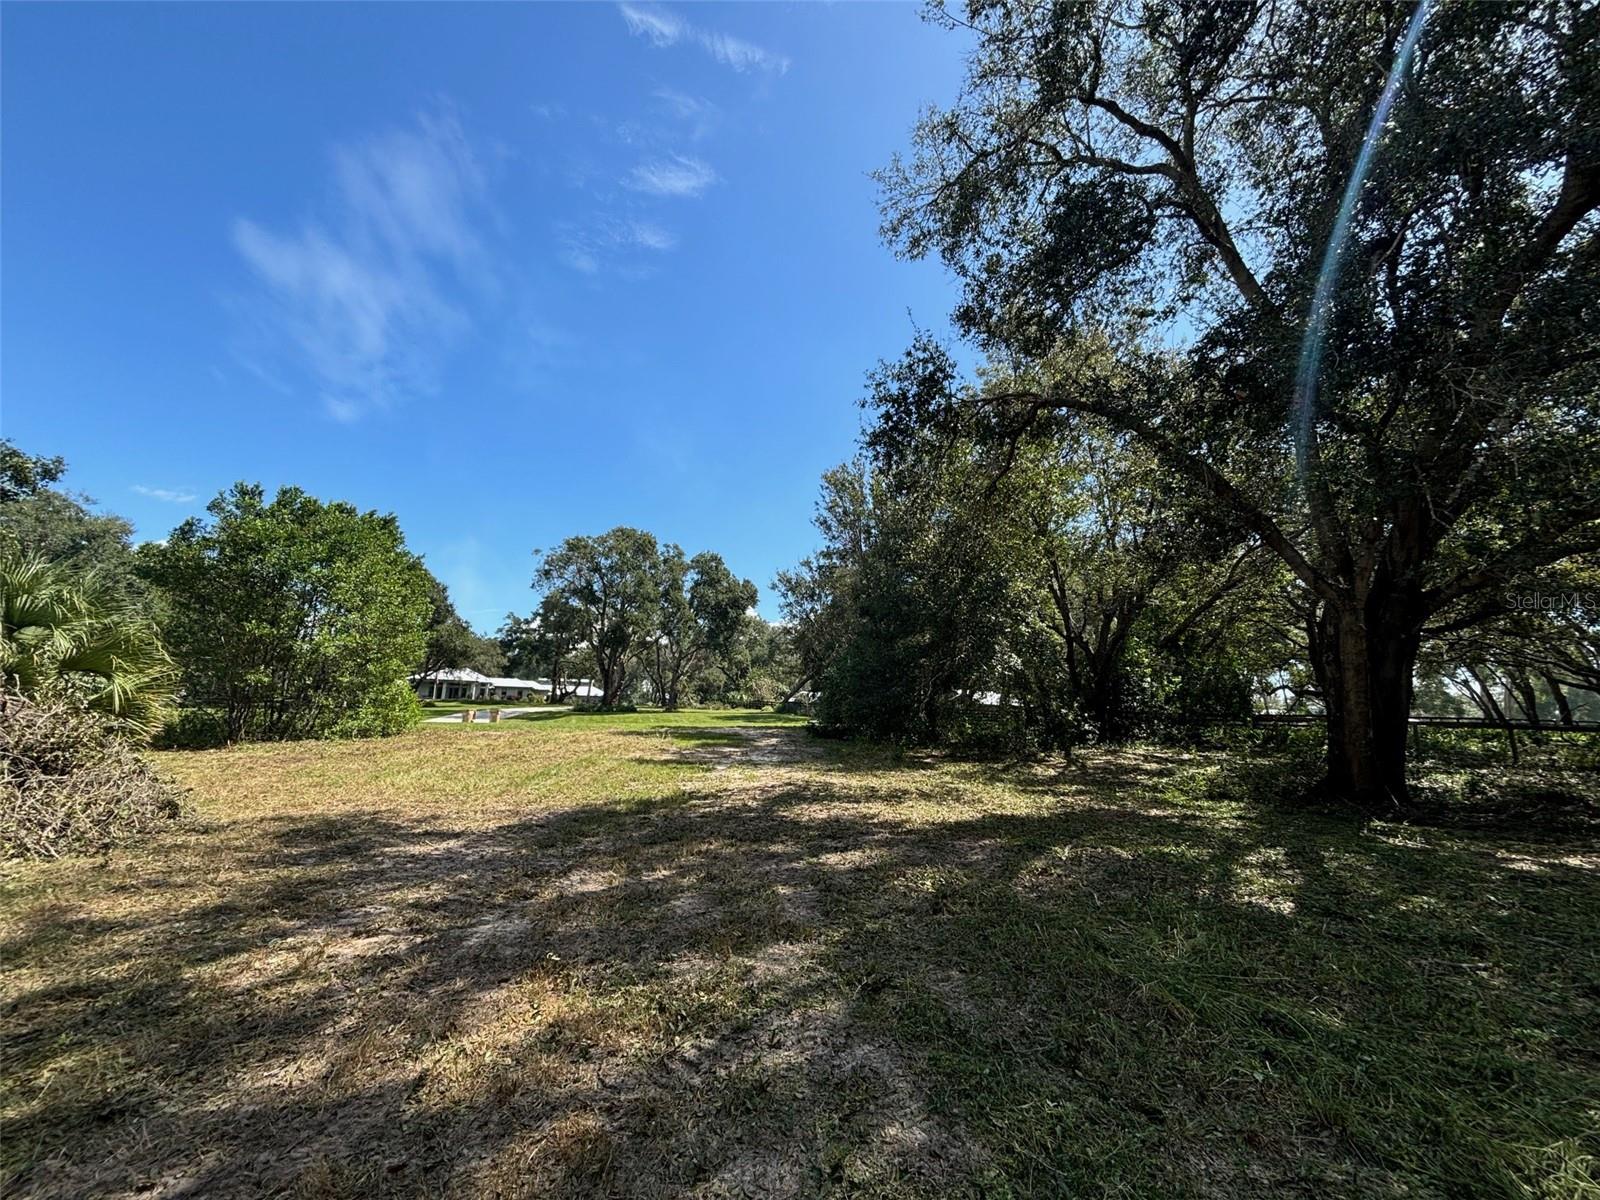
(537, 685)
(453, 675)
(583, 689)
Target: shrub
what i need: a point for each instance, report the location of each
(69, 784)
(193, 729)
(391, 709)
(988, 730)
(295, 618)
(76, 634)
(588, 704)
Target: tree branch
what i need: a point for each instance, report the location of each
(1197, 470)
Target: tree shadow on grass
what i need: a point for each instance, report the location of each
(913, 979)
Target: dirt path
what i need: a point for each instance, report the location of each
(756, 746)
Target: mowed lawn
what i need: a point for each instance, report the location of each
(706, 954)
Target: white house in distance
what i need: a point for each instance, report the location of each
(463, 683)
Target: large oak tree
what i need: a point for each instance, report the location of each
(699, 616)
(1180, 168)
(609, 584)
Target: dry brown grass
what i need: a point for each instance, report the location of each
(705, 955)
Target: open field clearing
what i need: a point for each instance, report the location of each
(706, 954)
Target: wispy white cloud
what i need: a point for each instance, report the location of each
(662, 28)
(740, 54)
(650, 236)
(580, 255)
(700, 115)
(366, 302)
(604, 243)
(671, 118)
(170, 495)
(676, 175)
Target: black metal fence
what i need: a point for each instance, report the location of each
(1265, 720)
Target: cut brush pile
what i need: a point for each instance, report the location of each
(69, 784)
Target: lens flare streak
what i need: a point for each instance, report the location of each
(1305, 386)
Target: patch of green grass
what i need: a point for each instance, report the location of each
(438, 707)
(699, 952)
(1288, 1001)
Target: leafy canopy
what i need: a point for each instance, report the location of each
(609, 584)
(294, 617)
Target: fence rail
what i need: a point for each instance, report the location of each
(1268, 719)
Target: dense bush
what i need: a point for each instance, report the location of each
(293, 618)
(193, 729)
(990, 730)
(388, 710)
(69, 783)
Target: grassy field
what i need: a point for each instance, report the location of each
(705, 954)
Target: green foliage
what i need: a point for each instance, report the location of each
(193, 729)
(59, 526)
(759, 669)
(906, 607)
(607, 588)
(1536, 646)
(75, 634)
(23, 475)
(388, 709)
(486, 657)
(449, 637)
(548, 644)
(293, 618)
(588, 704)
(519, 639)
(1060, 597)
(699, 619)
(1115, 169)
(61, 529)
(648, 621)
(817, 597)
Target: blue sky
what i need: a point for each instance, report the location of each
(510, 272)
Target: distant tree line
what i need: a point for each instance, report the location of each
(647, 623)
(284, 617)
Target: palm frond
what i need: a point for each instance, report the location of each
(77, 634)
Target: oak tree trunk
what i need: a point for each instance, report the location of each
(1365, 658)
(1559, 695)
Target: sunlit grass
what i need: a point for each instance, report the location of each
(703, 953)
